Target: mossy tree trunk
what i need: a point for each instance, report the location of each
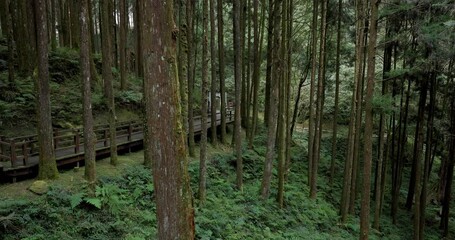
(165, 135)
(89, 134)
(191, 66)
(47, 163)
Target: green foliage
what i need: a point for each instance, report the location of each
(128, 97)
(383, 104)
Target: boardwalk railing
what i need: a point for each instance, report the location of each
(69, 142)
(18, 150)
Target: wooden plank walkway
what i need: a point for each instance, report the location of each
(19, 156)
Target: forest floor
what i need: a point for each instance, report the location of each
(123, 207)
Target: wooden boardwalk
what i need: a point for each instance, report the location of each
(19, 156)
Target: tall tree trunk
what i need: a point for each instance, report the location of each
(221, 68)
(175, 214)
(89, 134)
(256, 72)
(444, 226)
(319, 104)
(191, 66)
(337, 94)
(75, 9)
(53, 34)
(368, 134)
(238, 83)
(268, 74)
(348, 167)
(182, 63)
(417, 158)
(7, 29)
(428, 150)
(273, 100)
(139, 25)
(47, 163)
(122, 44)
(282, 109)
(204, 107)
(314, 66)
(213, 87)
(31, 35)
(108, 79)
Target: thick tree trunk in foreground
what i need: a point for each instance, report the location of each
(174, 210)
(47, 164)
(89, 135)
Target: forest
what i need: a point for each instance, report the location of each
(237, 119)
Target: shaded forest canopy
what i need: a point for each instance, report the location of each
(356, 98)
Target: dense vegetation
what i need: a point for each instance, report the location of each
(123, 207)
(344, 113)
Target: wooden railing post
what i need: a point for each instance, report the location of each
(130, 132)
(56, 138)
(25, 153)
(105, 137)
(77, 141)
(13, 152)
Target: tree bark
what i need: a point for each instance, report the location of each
(175, 214)
(204, 107)
(337, 94)
(238, 83)
(213, 87)
(221, 68)
(319, 104)
(47, 163)
(348, 167)
(108, 79)
(256, 72)
(368, 134)
(314, 67)
(7, 29)
(89, 134)
(122, 44)
(191, 66)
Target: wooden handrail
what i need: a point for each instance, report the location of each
(23, 147)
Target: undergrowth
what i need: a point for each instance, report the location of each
(123, 206)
